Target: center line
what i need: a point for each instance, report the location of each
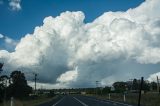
(80, 101)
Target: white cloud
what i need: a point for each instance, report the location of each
(68, 76)
(7, 43)
(116, 45)
(46, 85)
(10, 41)
(15, 4)
(153, 77)
(1, 36)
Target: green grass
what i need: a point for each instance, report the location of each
(148, 99)
(33, 102)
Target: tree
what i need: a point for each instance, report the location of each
(1, 84)
(1, 66)
(106, 90)
(146, 85)
(120, 86)
(135, 85)
(18, 85)
(153, 86)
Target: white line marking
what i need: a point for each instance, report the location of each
(58, 102)
(80, 101)
(106, 101)
(99, 101)
(119, 103)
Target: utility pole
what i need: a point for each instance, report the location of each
(97, 83)
(158, 85)
(139, 99)
(35, 79)
(131, 84)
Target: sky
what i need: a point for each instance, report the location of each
(73, 43)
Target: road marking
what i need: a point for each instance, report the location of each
(114, 104)
(58, 102)
(99, 101)
(80, 101)
(119, 103)
(106, 101)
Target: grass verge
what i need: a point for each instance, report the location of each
(30, 102)
(147, 99)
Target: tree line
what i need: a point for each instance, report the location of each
(134, 86)
(117, 87)
(15, 85)
(129, 86)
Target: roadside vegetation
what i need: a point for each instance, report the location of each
(29, 102)
(129, 89)
(148, 99)
(15, 85)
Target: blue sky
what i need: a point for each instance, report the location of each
(16, 24)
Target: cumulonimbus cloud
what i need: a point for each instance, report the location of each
(101, 49)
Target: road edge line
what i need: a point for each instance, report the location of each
(119, 103)
(58, 101)
(80, 101)
(106, 100)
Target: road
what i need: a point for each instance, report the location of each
(72, 100)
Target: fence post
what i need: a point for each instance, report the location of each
(12, 101)
(124, 97)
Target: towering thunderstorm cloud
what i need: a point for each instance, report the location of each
(115, 46)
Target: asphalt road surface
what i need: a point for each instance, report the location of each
(72, 100)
